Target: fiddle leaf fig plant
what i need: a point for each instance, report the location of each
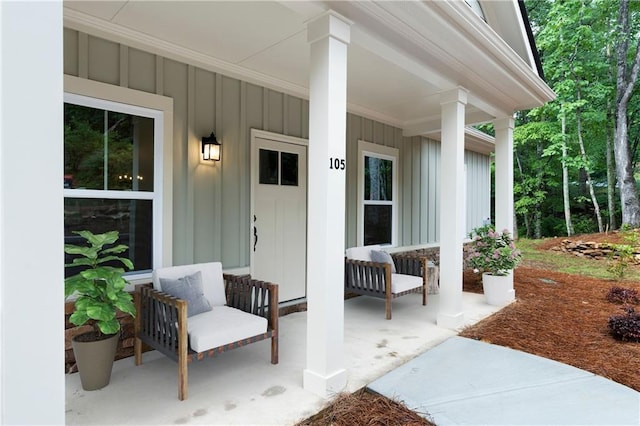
(99, 287)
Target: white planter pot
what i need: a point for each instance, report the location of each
(498, 289)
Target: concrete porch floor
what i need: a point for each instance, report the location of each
(241, 387)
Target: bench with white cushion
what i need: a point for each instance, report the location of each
(370, 271)
(195, 311)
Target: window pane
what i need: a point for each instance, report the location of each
(268, 167)
(289, 171)
(107, 150)
(378, 182)
(377, 224)
(131, 218)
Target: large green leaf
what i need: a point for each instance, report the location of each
(109, 327)
(120, 248)
(79, 317)
(80, 285)
(101, 311)
(128, 263)
(124, 260)
(117, 284)
(103, 273)
(88, 252)
(99, 240)
(126, 304)
(81, 261)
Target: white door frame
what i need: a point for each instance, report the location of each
(276, 137)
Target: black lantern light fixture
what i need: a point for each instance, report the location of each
(210, 148)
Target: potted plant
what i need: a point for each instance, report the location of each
(100, 292)
(495, 255)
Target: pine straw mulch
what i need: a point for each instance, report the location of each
(365, 408)
(557, 316)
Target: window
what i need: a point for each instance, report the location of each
(278, 168)
(377, 194)
(112, 175)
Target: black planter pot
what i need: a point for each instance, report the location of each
(95, 360)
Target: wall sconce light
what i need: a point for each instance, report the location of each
(210, 148)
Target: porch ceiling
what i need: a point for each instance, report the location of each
(402, 54)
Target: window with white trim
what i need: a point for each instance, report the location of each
(113, 175)
(377, 194)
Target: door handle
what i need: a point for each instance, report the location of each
(255, 233)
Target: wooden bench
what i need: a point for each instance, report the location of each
(243, 311)
(378, 279)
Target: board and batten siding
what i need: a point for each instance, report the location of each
(478, 168)
(211, 217)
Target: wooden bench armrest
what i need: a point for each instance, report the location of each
(410, 265)
(372, 277)
(161, 321)
(253, 296)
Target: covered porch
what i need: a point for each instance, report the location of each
(242, 387)
(405, 75)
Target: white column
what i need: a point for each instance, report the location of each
(328, 36)
(504, 180)
(31, 222)
(504, 173)
(452, 204)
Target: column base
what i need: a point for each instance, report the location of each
(451, 321)
(324, 386)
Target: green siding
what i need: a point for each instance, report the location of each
(211, 216)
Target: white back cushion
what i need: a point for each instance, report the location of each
(212, 282)
(361, 253)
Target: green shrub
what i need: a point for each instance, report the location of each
(622, 255)
(619, 259)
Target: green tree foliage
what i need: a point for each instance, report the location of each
(577, 47)
(84, 153)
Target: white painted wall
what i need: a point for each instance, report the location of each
(31, 225)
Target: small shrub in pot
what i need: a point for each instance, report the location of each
(99, 287)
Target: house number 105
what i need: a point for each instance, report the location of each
(337, 163)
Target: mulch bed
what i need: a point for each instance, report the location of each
(564, 317)
(557, 316)
(363, 408)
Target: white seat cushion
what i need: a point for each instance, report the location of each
(401, 282)
(361, 253)
(212, 282)
(223, 325)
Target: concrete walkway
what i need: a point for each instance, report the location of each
(242, 387)
(464, 381)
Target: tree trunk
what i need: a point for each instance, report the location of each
(565, 178)
(537, 215)
(583, 154)
(611, 179)
(611, 165)
(537, 219)
(624, 88)
(525, 216)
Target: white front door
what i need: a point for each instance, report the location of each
(279, 213)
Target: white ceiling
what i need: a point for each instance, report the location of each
(266, 41)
